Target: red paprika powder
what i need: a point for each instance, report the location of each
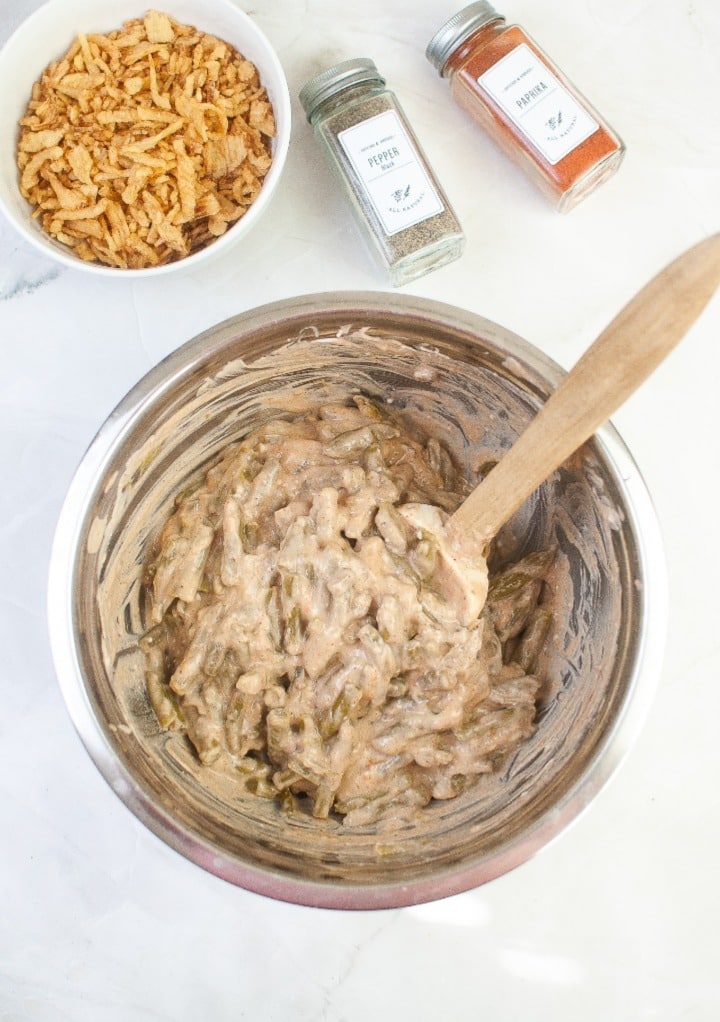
(509, 86)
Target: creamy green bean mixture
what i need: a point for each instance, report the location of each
(316, 633)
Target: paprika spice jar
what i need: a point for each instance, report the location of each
(509, 86)
(398, 203)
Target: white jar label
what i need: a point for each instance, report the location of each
(390, 172)
(538, 104)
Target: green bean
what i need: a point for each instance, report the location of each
(340, 711)
(286, 801)
(502, 587)
(371, 409)
(532, 640)
(397, 688)
(531, 568)
(484, 725)
(249, 536)
(392, 527)
(440, 461)
(234, 717)
(214, 659)
(293, 635)
(278, 727)
(284, 779)
(260, 787)
(304, 771)
(164, 702)
(460, 782)
(272, 606)
(487, 466)
(351, 441)
(323, 801)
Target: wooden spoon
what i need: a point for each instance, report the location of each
(621, 358)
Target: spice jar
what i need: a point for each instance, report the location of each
(502, 78)
(398, 204)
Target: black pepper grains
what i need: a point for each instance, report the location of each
(399, 206)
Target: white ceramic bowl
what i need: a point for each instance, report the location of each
(48, 33)
(476, 386)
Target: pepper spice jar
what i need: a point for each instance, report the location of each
(502, 78)
(398, 204)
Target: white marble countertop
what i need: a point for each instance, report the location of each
(618, 918)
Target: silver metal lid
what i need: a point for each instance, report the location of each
(457, 29)
(335, 79)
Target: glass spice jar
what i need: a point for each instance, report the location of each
(502, 78)
(399, 206)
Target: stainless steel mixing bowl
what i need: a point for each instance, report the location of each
(471, 383)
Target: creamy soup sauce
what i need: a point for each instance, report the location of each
(319, 637)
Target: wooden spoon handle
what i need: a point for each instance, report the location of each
(621, 358)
